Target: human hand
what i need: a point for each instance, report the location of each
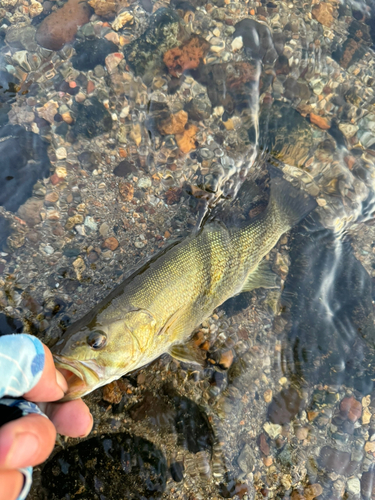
(29, 440)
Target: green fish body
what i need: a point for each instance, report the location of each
(157, 310)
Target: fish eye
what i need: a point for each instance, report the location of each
(97, 340)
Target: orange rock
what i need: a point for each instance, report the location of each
(187, 56)
(226, 359)
(350, 161)
(167, 234)
(55, 179)
(90, 86)
(122, 152)
(61, 26)
(112, 393)
(186, 141)
(313, 491)
(323, 13)
(175, 124)
(320, 121)
(351, 408)
(111, 243)
(267, 461)
(126, 191)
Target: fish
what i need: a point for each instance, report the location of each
(157, 309)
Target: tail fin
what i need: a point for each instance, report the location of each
(293, 204)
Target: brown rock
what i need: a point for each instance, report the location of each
(90, 86)
(302, 433)
(175, 124)
(51, 197)
(187, 56)
(284, 406)
(263, 445)
(323, 13)
(61, 26)
(351, 408)
(112, 393)
(111, 243)
(103, 7)
(173, 196)
(267, 461)
(30, 211)
(126, 191)
(226, 359)
(186, 141)
(320, 121)
(313, 491)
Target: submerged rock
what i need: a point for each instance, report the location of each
(91, 53)
(91, 119)
(257, 40)
(9, 325)
(61, 26)
(110, 466)
(24, 161)
(165, 32)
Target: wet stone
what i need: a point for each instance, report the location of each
(154, 408)
(61, 26)
(351, 408)
(124, 168)
(246, 459)
(165, 32)
(91, 119)
(5, 231)
(9, 325)
(257, 40)
(284, 406)
(138, 469)
(24, 161)
(92, 53)
(177, 471)
(194, 430)
(337, 461)
(21, 37)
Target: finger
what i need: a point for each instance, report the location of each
(26, 441)
(72, 418)
(51, 386)
(11, 484)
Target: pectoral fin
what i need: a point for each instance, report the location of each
(261, 277)
(188, 353)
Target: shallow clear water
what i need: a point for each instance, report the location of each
(123, 126)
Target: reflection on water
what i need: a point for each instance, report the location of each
(122, 126)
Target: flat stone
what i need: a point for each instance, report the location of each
(246, 459)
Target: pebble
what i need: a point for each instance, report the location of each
(61, 154)
(90, 223)
(246, 459)
(351, 408)
(226, 359)
(112, 61)
(111, 243)
(353, 486)
(104, 229)
(267, 395)
(121, 20)
(313, 491)
(273, 430)
(126, 191)
(237, 43)
(112, 393)
(51, 197)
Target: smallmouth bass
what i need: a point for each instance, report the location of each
(156, 310)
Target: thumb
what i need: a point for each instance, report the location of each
(52, 384)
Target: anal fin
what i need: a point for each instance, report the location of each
(188, 353)
(261, 277)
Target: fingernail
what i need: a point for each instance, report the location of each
(23, 450)
(61, 382)
(89, 429)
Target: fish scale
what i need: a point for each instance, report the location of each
(158, 309)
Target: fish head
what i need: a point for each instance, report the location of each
(92, 357)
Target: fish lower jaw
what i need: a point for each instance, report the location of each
(81, 381)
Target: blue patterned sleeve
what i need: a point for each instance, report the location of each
(21, 366)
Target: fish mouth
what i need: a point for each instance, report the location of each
(82, 376)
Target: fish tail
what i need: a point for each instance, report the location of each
(292, 203)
